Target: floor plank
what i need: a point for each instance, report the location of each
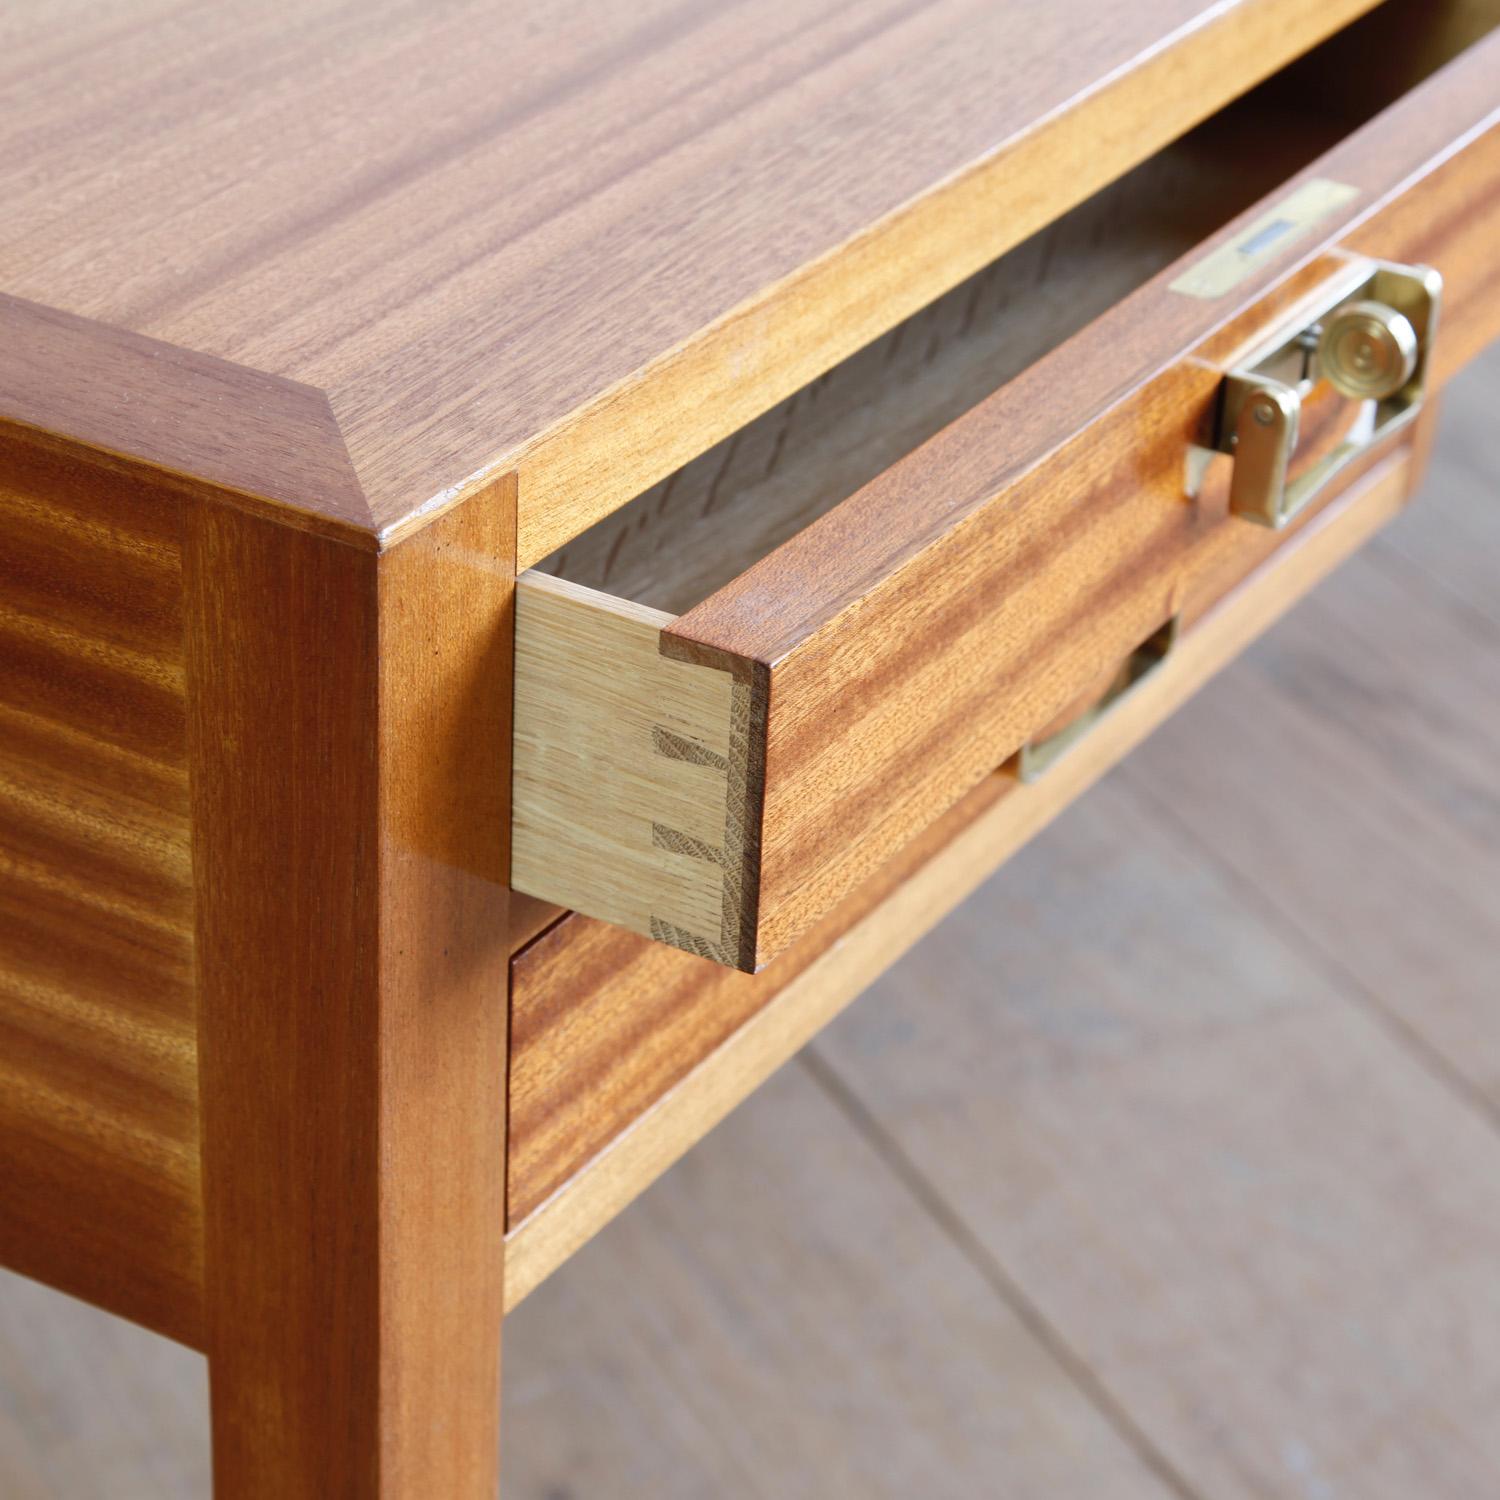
(776, 1320)
(1455, 533)
(94, 1408)
(1269, 1233)
(1345, 776)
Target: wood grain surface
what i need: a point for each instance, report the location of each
(529, 918)
(631, 771)
(1121, 937)
(399, 364)
(924, 628)
(98, 1075)
(350, 754)
(624, 1052)
(581, 244)
(272, 444)
(674, 545)
(649, 785)
(1369, 851)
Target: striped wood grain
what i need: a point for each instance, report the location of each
(910, 637)
(98, 1070)
(915, 631)
(582, 246)
(625, 1051)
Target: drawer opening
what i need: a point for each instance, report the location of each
(687, 536)
(756, 681)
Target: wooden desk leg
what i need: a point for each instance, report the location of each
(349, 745)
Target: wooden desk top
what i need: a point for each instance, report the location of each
(356, 259)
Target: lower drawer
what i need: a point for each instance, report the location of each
(624, 1051)
(744, 692)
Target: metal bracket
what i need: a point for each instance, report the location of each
(1368, 339)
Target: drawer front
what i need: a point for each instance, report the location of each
(719, 780)
(606, 1025)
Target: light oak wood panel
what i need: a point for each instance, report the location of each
(625, 811)
(352, 945)
(626, 1052)
(98, 1074)
(582, 243)
(630, 771)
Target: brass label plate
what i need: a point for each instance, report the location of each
(1283, 225)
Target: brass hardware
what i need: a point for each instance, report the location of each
(1368, 337)
(1038, 756)
(1291, 219)
(1368, 351)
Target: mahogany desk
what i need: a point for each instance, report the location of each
(541, 546)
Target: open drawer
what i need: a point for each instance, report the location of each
(742, 692)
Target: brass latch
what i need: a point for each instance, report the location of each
(1363, 347)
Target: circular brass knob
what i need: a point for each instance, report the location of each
(1368, 351)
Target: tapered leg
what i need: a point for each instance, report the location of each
(349, 746)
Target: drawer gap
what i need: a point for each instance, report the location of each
(684, 538)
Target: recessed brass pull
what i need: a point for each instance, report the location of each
(1365, 345)
(1038, 756)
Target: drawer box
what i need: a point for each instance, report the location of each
(623, 1052)
(742, 693)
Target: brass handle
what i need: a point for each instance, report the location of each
(1368, 339)
(1038, 756)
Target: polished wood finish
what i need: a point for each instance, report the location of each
(350, 758)
(694, 532)
(98, 1072)
(882, 668)
(268, 444)
(307, 310)
(898, 647)
(624, 1051)
(579, 247)
(529, 918)
(1038, 1012)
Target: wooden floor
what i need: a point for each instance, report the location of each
(1168, 1167)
